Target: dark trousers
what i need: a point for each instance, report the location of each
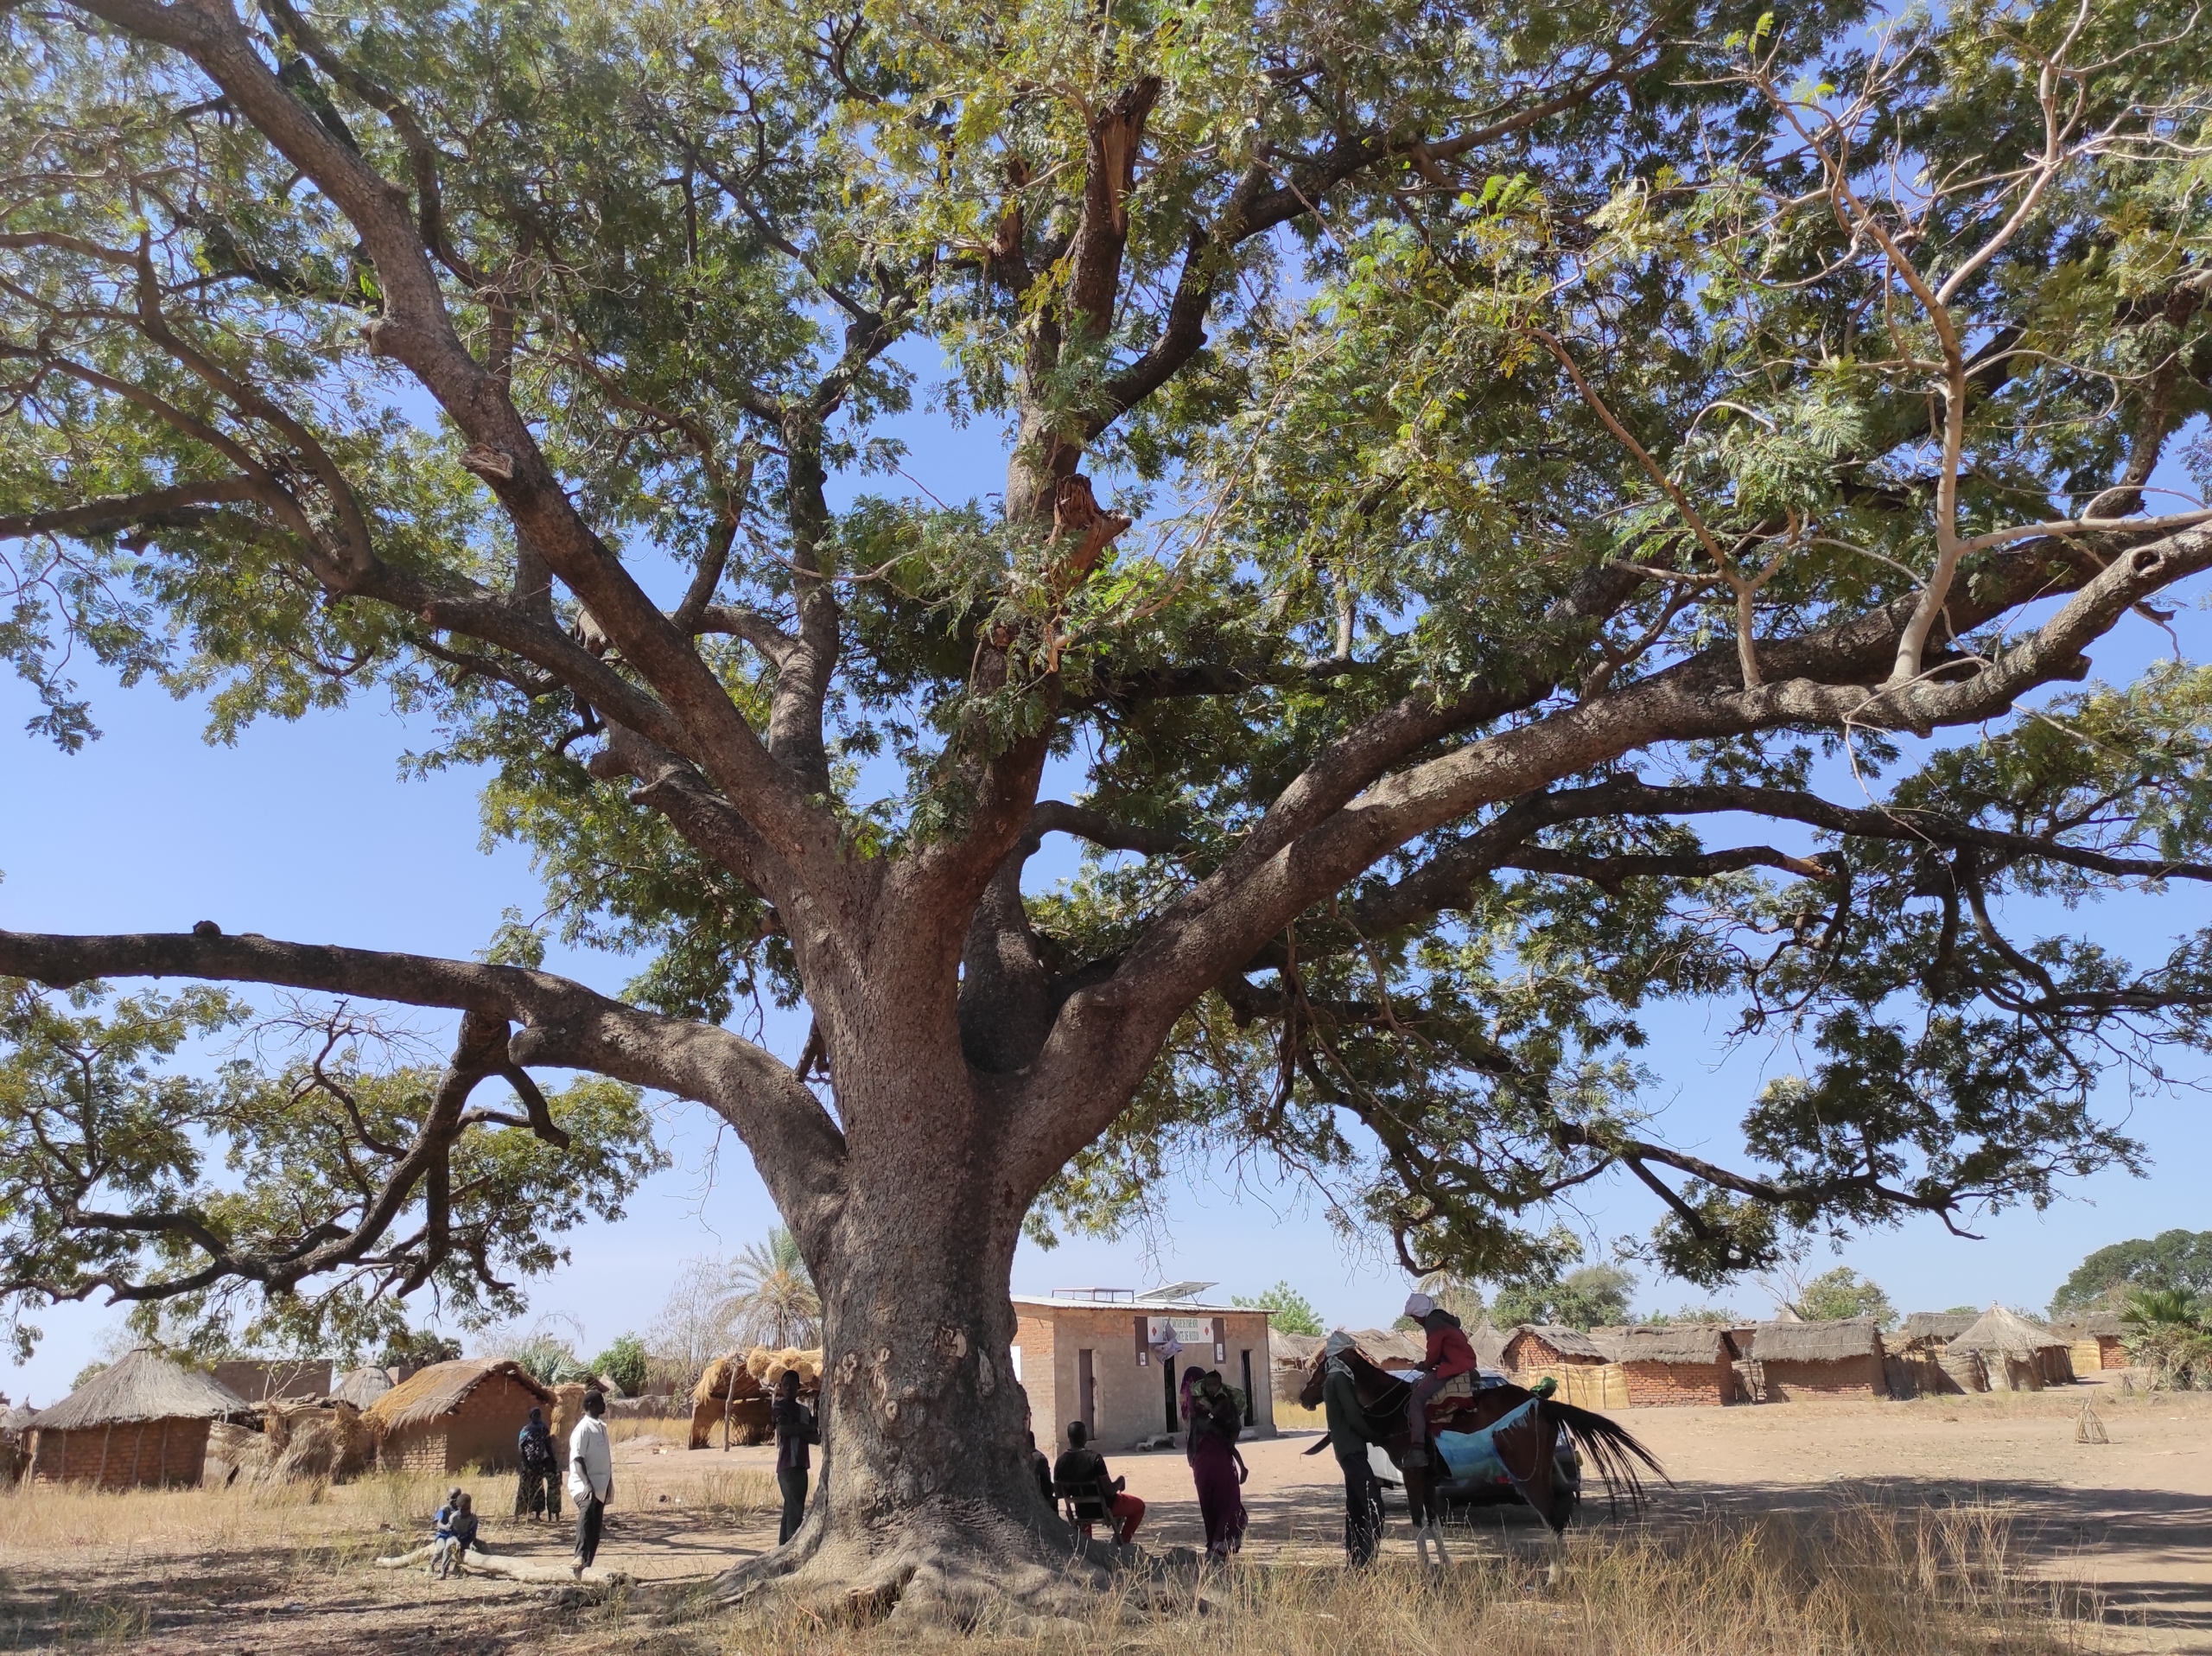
(792, 1481)
(537, 1494)
(591, 1517)
(1363, 1511)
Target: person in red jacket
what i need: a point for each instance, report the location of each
(1450, 1359)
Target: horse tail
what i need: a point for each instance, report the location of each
(1609, 1447)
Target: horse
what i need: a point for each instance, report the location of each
(1525, 1433)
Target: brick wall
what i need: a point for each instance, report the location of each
(1667, 1385)
(1856, 1377)
(124, 1456)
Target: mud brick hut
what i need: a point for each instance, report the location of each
(1534, 1348)
(452, 1415)
(2020, 1355)
(2095, 1343)
(1921, 1361)
(1113, 1358)
(1675, 1363)
(140, 1422)
(1838, 1358)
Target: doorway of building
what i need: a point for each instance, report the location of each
(1086, 1393)
(1167, 1391)
(1250, 1418)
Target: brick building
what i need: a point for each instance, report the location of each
(1109, 1357)
(452, 1414)
(2095, 1342)
(142, 1420)
(1672, 1363)
(1837, 1359)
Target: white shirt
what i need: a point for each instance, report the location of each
(589, 1444)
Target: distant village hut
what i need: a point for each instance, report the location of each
(1674, 1363)
(452, 1415)
(1920, 1355)
(140, 1422)
(1532, 1348)
(1841, 1358)
(738, 1393)
(362, 1386)
(1290, 1356)
(2093, 1342)
(1489, 1343)
(2020, 1355)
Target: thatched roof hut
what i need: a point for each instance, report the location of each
(1672, 1363)
(1392, 1348)
(443, 1418)
(1489, 1343)
(1841, 1357)
(142, 1420)
(2020, 1355)
(1536, 1346)
(1933, 1328)
(2097, 1341)
(362, 1386)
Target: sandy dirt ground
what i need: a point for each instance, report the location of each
(2129, 1521)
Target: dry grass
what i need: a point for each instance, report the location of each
(1289, 1418)
(311, 1515)
(1865, 1581)
(643, 1429)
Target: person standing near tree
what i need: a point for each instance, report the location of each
(591, 1480)
(1217, 1465)
(538, 1486)
(1348, 1438)
(795, 1430)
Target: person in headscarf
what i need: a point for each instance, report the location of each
(1447, 1368)
(1348, 1438)
(1217, 1464)
(538, 1491)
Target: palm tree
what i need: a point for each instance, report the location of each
(774, 1302)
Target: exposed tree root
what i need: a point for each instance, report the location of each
(946, 1567)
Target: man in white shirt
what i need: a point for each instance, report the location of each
(591, 1479)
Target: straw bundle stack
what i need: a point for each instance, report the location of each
(736, 1391)
(568, 1409)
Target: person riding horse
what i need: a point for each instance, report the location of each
(1447, 1369)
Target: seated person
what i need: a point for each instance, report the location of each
(454, 1533)
(1085, 1468)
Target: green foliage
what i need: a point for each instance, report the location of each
(417, 1348)
(1696, 1314)
(700, 250)
(1292, 1312)
(549, 1359)
(624, 1362)
(1589, 1296)
(2167, 1330)
(1841, 1293)
(2172, 1259)
(772, 1299)
(230, 1176)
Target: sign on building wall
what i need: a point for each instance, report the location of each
(1187, 1330)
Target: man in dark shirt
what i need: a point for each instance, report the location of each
(1348, 1436)
(1040, 1465)
(795, 1430)
(1085, 1468)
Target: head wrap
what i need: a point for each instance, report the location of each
(1419, 1306)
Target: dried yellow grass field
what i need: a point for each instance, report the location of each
(1864, 1581)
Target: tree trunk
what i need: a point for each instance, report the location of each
(924, 1500)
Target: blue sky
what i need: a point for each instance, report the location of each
(306, 831)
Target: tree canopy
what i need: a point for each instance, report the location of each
(1842, 1293)
(1515, 520)
(2172, 1259)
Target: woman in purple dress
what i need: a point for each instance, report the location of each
(1216, 1465)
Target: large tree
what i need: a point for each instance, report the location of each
(1562, 460)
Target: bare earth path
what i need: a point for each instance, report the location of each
(206, 1574)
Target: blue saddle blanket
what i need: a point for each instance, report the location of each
(1474, 1455)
